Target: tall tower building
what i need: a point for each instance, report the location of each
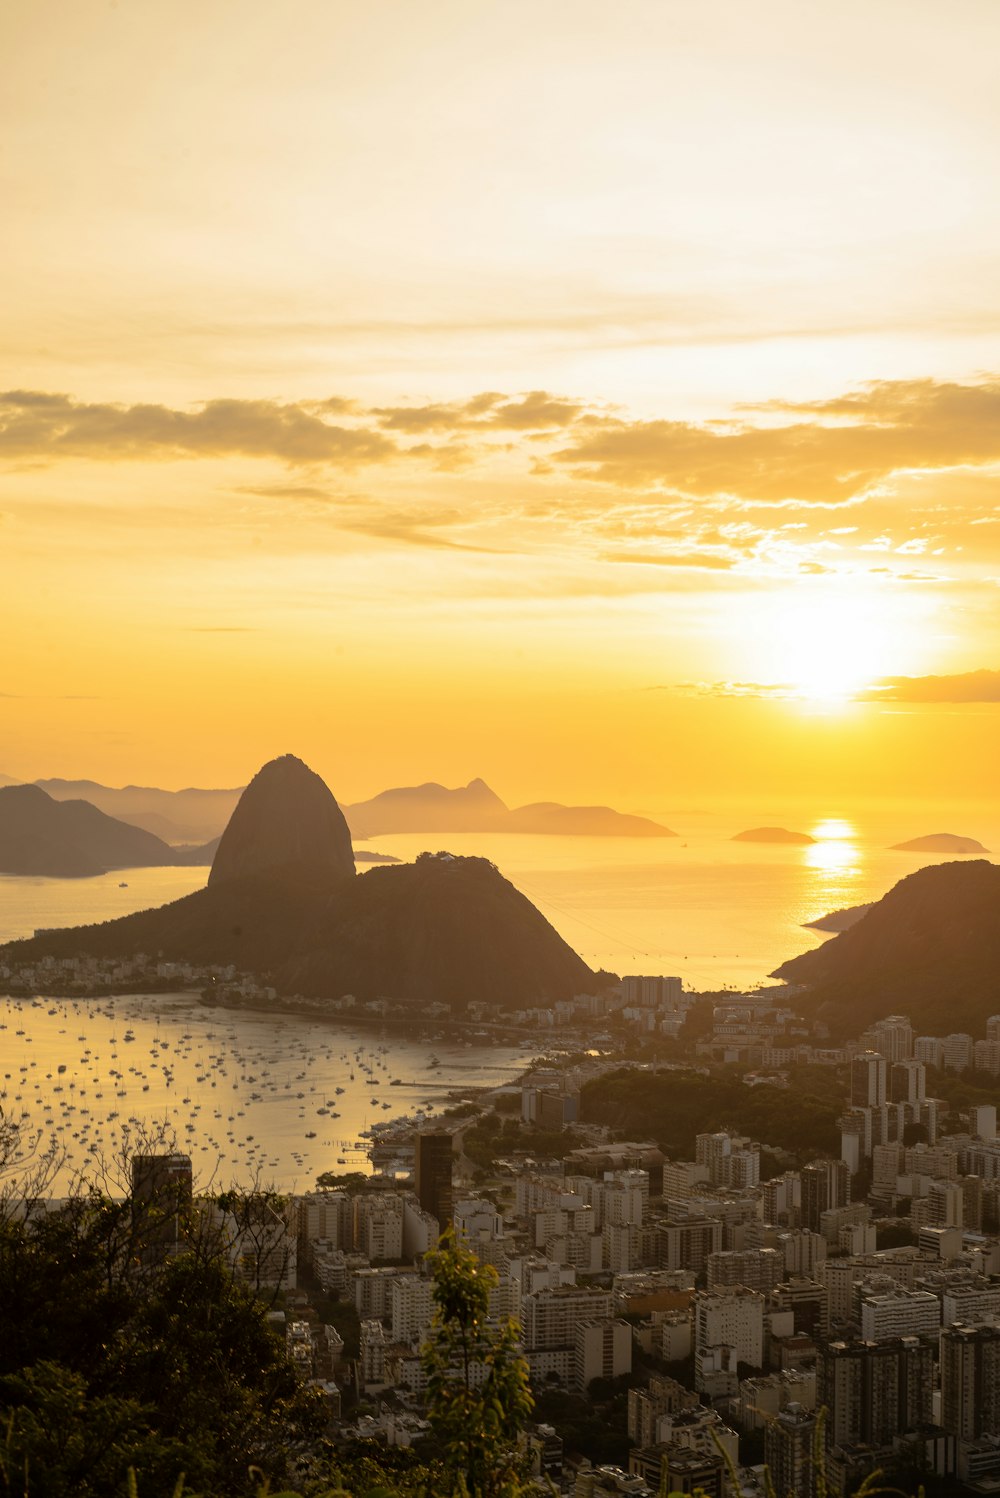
(970, 1381)
(433, 1176)
(868, 1080)
(788, 1451)
(161, 1202)
(908, 1081)
(824, 1184)
(893, 1037)
(874, 1391)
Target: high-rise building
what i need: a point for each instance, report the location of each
(874, 1391)
(824, 1184)
(868, 1080)
(602, 1349)
(686, 1242)
(731, 1317)
(970, 1381)
(957, 1053)
(892, 1036)
(927, 1048)
(788, 1451)
(899, 1313)
(161, 1202)
(433, 1175)
(908, 1081)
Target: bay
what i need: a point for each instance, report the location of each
(250, 1096)
(242, 1092)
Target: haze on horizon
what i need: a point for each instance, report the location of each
(603, 403)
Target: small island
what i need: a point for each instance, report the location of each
(772, 835)
(940, 842)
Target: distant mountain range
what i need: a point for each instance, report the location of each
(196, 816)
(476, 808)
(283, 898)
(930, 948)
(73, 839)
(188, 816)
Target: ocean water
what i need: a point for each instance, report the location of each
(242, 1093)
(716, 912)
(251, 1097)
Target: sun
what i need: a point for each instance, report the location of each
(827, 646)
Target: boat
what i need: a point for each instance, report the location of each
(122, 884)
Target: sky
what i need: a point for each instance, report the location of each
(601, 400)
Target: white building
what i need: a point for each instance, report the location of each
(899, 1313)
(731, 1317)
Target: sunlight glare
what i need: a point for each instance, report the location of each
(833, 827)
(833, 857)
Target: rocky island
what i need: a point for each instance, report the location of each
(941, 842)
(773, 835)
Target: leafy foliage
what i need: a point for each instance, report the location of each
(477, 1380)
(112, 1359)
(673, 1107)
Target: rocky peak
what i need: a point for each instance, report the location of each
(286, 821)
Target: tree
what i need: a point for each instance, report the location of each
(477, 1380)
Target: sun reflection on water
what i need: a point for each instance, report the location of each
(835, 853)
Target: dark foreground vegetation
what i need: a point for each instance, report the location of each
(673, 1107)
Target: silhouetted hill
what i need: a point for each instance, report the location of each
(188, 816)
(581, 821)
(285, 820)
(40, 836)
(940, 842)
(930, 948)
(450, 930)
(443, 928)
(427, 808)
(475, 808)
(287, 903)
(772, 835)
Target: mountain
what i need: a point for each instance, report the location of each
(285, 820)
(197, 816)
(940, 842)
(772, 835)
(40, 836)
(427, 808)
(283, 899)
(188, 816)
(930, 948)
(476, 808)
(581, 821)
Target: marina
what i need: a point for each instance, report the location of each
(252, 1097)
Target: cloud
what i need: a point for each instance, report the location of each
(54, 426)
(970, 686)
(847, 448)
(712, 561)
(765, 690)
(285, 491)
(536, 411)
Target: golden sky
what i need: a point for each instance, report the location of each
(601, 399)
